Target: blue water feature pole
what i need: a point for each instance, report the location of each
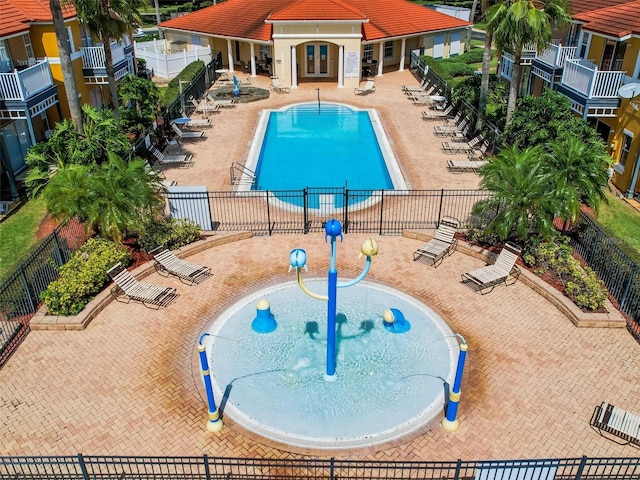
(298, 260)
(214, 424)
(450, 422)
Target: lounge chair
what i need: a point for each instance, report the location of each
(460, 166)
(199, 123)
(437, 114)
(448, 130)
(430, 90)
(277, 87)
(183, 160)
(462, 147)
(620, 426)
(442, 244)
(504, 270)
(416, 88)
(480, 154)
(204, 108)
(221, 103)
(369, 87)
(128, 288)
(186, 135)
(422, 100)
(166, 263)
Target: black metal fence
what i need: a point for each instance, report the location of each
(82, 467)
(20, 293)
(619, 272)
(384, 212)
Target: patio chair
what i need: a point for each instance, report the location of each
(416, 88)
(203, 108)
(369, 87)
(462, 147)
(167, 263)
(221, 103)
(199, 123)
(441, 245)
(448, 130)
(460, 166)
(128, 288)
(504, 270)
(427, 90)
(437, 114)
(182, 160)
(186, 135)
(277, 87)
(480, 154)
(620, 426)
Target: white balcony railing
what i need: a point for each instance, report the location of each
(584, 77)
(94, 57)
(556, 55)
(23, 84)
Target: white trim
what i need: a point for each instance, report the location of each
(309, 36)
(627, 133)
(74, 56)
(318, 22)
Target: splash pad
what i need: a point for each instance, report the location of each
(360, 384)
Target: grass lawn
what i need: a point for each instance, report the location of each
(622, 221)
(18, 235)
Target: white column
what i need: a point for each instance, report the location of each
(252, 50)
(380, 58)
(230, 55)
(341, 66)
(403, 52)
(294, 68)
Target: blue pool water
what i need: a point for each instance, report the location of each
(328, 146)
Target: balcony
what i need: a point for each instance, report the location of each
(550, 63)
(94, 62)
(593, 93)
(22, 85)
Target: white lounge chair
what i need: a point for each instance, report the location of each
(222, 102)
(416, 88)
(460, 166)
(441, 245)
(369, 87)
(448, 130)
(437, 114)
(129, 288)
(167, 263)
(204, 107)
(620, 426)
(186, 135)
(182, 160)
(462, 147)
(199, 123)
(277, 87)
(486, 278)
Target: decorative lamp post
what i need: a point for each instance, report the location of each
(214, 424)
(298, 260)
(450, 422)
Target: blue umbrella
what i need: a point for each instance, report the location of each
(236, 87)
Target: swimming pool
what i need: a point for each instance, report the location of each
(327, 145)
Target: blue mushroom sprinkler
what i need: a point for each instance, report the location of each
(298, 260)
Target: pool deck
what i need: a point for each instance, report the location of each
(414, 145)
(129, 384)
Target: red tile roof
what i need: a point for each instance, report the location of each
(582, 6)
(246, 18)
(619, 20)
(16, 15)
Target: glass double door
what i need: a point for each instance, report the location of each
(317, 60)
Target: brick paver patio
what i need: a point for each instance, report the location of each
(129, 384)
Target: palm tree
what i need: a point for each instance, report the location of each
(109, 20)
(579, 175)
(70, 87)
(472, 18)
(158, 19)
(516, 23)
(486, 65)
(112, 199)
(520, 205)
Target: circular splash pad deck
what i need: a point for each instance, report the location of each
(388, 384)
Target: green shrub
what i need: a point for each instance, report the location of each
(172, 92)
(83, 276)
(171, 233)
(457, 69)
(472, 56)
(581, 284)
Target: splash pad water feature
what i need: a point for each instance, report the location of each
(293, 382)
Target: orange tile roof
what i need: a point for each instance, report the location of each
(16, 15)
(618, 21)
(245, 19)
(581, 6)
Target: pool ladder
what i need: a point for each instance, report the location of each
(241, 175)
